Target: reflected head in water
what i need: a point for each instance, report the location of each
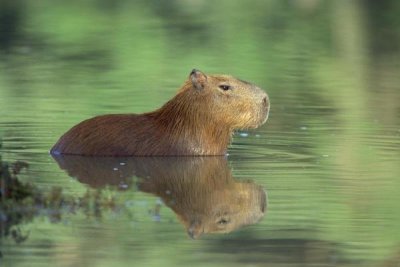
(200, 190)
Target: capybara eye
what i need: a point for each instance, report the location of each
(225, 87)
(223, 221)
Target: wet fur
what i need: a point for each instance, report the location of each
(194, 122)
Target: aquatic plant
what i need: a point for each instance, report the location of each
(21, 202)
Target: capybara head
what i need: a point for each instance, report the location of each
(223, 211)
(233, 103)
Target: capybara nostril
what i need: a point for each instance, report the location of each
(265, 101)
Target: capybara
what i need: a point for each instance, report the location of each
(201, 191)
(198, 120)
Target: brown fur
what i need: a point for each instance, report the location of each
(200, 190)
(199, 120)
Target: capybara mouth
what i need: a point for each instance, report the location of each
(260, 114)
(263, 112)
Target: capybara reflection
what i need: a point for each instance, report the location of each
(198, 120)
(200, 190)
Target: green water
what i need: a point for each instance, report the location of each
(327, 158)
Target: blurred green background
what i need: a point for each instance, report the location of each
(328, 155)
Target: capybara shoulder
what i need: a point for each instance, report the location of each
(198, 120)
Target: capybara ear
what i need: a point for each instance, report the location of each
(198, 79)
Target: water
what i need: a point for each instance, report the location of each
(327, 159)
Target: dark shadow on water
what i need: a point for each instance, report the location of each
(200, 190)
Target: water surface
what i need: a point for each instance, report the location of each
(327, 160)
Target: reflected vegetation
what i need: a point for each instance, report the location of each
(22, 201)
(200, 190)
(13, 193)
